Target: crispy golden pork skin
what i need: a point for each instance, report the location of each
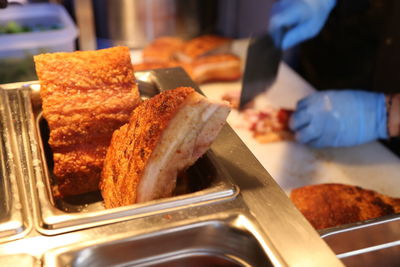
(329, 205)
(86, 96)
(166, 134)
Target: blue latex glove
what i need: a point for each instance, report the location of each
(340, 118)
(303, 20)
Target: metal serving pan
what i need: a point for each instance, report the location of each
(235, 202)
(212, 243)
(14, 220)
(374, 242)
(208, 182)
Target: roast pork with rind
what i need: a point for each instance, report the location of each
(165, 135)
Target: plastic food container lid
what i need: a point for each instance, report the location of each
(41, 13)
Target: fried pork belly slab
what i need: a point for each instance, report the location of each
(162, 49)
(85, 97)
(329, 205)
(218, 67)
(202, 46)
(165, 135)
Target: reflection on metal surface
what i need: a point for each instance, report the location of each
(19, 260)
(14, 222)
(372, 243)
(136, 23)
(210, 243)
(234, 215)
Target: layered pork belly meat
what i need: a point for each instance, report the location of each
(85, 97)
(165, 135)
(218, 67)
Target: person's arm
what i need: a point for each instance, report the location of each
(393, 114)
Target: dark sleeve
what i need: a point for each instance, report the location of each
(387, 70)
(351, 7)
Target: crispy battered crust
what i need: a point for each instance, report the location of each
(125, 162)
(86, 95)
(329, 205)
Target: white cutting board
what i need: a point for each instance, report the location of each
(292, 165)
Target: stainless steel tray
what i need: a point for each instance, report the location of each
(14, 220)
(374, 242)
(235, 202)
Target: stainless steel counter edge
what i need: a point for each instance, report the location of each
(18, 223)
(295, 241)
(291, 238)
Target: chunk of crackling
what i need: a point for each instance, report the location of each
(330, 205)
(165, 135)
(86, 95)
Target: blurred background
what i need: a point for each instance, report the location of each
(95, 24)
(343, 55)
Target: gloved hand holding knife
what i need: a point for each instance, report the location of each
(331, 118)
(291, 22)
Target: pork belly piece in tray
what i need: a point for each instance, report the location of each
(85, 97)
(329, 205)
(165, 135)
(202, 46)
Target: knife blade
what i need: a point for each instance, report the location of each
(261, 68)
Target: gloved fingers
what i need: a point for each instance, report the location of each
(308, 134)
(298, 34)
(284, 16)
(307, 101)
(299, 119)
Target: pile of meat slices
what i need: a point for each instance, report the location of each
(267, 124)
(206, 58)
(101, 132)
